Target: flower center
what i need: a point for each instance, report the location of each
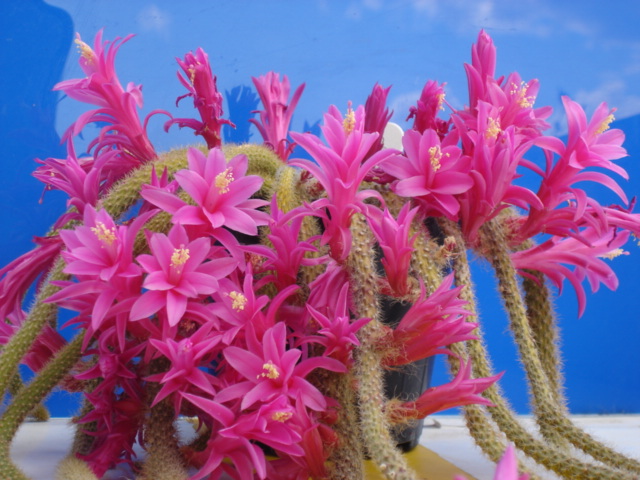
(440, 97)
(493, 129)
(435, 154)
(85, 50)
(186, 346)
(239, 301)
(223, 180)
(104, 234)
(269, 370)
(179, 257)
(349, 122)
(616, 252)
(281, 416)
(604, 126)
(520, 93)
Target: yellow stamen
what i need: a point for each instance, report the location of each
(604, 126)
(239, 301)
(281, 416)
(616, 252)
(179, 256)
(85, 50)
(435, 154)
(187, 346)
(440, 98)
(349, 122)
(104, 234)
(520, 92)
(493, 129)
(269, 371)
(223, 180)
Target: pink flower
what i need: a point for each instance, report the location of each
(178, 270)
(586, 254)
(340, 168)
(186, 356)
(276, 117)
(393, 237)
(462, 390)
(425, 114)
(376, 115)
(432, 172)
(201, 84)
(271, 369)
(221, 192)
(116, 106)
(507, 468)
(430, 325)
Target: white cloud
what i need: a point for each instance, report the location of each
(151, 18)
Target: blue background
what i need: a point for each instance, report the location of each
(587, 50)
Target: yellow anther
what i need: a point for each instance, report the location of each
(440, 98)
(269, 370)
(239, 301)
(349, 122)
(281, 416)
(104, 234)
(187, 345)
(223, 180)
(85, 50)
(179, 256)
(493, 129)
(616, 252)
(435, 154)
(520, 92)
(604, 126)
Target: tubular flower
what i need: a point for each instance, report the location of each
(507, 468)
(201, 83)
(116, 106)
(340, 167)
(425, 114)
(275, 119)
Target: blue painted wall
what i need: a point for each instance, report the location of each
(340, 49)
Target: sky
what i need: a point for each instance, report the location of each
(589, 50)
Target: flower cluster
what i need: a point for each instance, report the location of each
(225, 288)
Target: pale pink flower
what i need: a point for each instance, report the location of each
(275, 119)
(201, 83)
(507, 468)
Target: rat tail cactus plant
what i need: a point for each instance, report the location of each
(243, 287)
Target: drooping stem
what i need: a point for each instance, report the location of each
(376, 434)
(546, 406)
(548, 456)
(29, 396)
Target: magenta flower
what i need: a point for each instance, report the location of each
(340, 168)
(201, 83)
(555, 257)
(271, 370)
(186, 356)
(507, 468)
(178, 270)
(425, 114)
(276, 117)
(393, 237)
(462, 390)
(116, 106)
(221, 192)
(432, 172)
(376, 115)
(431, 324)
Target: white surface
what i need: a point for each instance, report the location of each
(38, 447)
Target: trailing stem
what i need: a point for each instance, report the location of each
(376, 434)
(548, 456)
(546, 406)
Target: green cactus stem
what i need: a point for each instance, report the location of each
(545, 407)
(548, 456)
(39, 412)
(29, 396)
(379, 442)
(72, 468)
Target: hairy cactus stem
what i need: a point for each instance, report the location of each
(495, 246)
(550, 457)
(376, 434)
